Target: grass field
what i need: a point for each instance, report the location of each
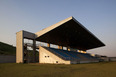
(103, 69)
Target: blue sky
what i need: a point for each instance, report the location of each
(98, 16)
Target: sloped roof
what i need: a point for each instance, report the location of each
(69, 33)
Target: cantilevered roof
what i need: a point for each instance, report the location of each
(69, 33)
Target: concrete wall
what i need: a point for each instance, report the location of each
(46, 56)
(7, 59)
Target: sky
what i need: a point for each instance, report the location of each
(98, 16)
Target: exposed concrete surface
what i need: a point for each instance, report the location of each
(48, 57)
(19, 47)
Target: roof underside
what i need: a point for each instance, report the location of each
(69, 33)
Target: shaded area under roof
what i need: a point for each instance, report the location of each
(69, 33)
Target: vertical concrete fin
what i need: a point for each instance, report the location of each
(19, 47)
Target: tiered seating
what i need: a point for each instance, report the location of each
(60, 54)
(71, 55)
(79, 55)
(87, 56)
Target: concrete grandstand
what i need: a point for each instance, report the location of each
(68, 33)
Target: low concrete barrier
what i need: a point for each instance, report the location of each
(7, 59)
(112, 58)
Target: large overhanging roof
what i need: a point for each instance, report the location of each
(69, 33)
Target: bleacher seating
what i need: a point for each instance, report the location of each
(60, 54)
(71, 55)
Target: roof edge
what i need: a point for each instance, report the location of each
(45, 30)
(87, 30)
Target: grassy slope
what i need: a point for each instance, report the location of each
(7, 49)
(103, 69)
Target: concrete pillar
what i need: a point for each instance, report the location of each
(68, 48)
(48, 44)
(60, 47)
(79, 51)
(20, 57)
(34, 50)
(19, 47)
(83, 51)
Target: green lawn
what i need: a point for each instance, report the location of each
(103, 69)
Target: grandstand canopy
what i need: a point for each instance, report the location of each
(69, 33)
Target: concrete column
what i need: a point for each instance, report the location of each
(60, 47)
(19, 47)
(48, 44)
(83, 51)
(79, 51)
(34, 50)
(68, 48)
(26, 55)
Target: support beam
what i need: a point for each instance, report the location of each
(26, 54)
(34, 51)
